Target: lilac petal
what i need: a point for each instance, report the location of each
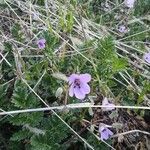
(72, 78)
(105, 101)
(110, 132)
(147, 57)
(85, 88)
(101, 128)
(104, 131)
(71, 90)
(41, 46)
(85, 77)
(78, 93)
(104, 135)
(42, 41)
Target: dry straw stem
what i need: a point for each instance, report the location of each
(128, 132)
(3, 57)
(71, 106)
(134, 34)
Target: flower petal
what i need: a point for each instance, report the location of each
(78, 93)
(41, 46)
(85, 88)
(110, 132)
(85, 77)
(104, 131)
(105, 101)
(147, 57)
(71, 90)
(101, 128)
(72, 78)
(42, 41)
(104, 135)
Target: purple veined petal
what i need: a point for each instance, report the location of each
(85, 77)
(72, 78)
(147, 57)
(85, 88)
(110, 132)
(104, 131)
(71, 90)
(105, 101)
(78, 93)
(41, 46)
(42, 41)
(104, 134)
(101, 128)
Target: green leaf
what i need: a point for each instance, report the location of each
(38, 143)
(22, 98)
(119, 64)
(20, 135)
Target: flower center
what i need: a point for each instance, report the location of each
(77, 83)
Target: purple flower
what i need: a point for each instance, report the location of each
(129, 3)
(78, 85)
(41, 43)
(105, 133)
(147, 57)
(105, 102)
(122, 29)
